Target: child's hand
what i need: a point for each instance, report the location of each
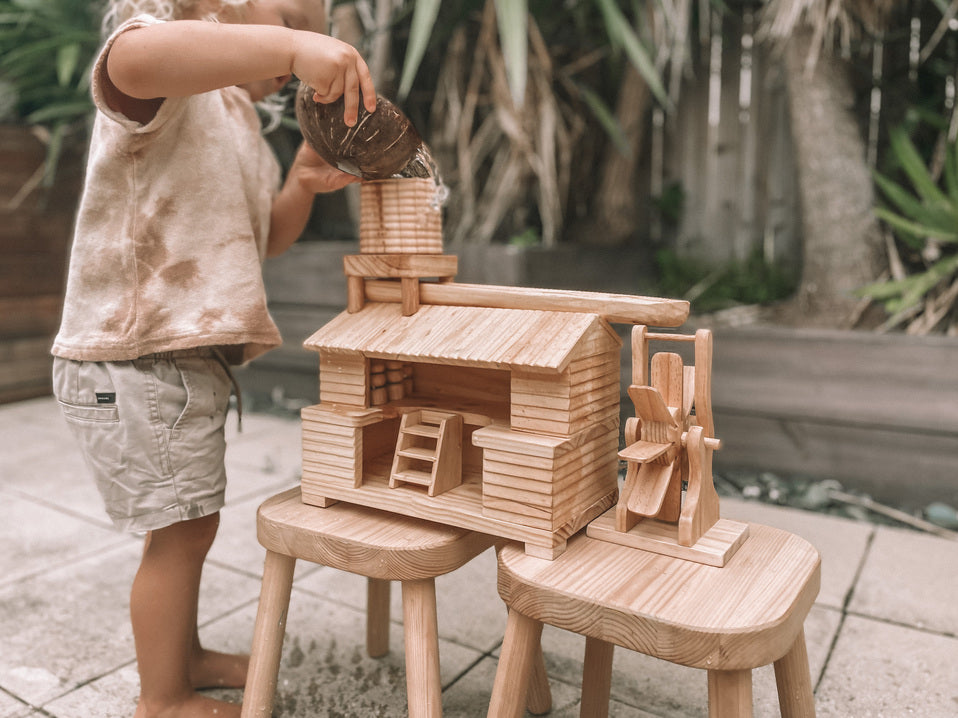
(334, 68)
(309, 175)
(315, 175)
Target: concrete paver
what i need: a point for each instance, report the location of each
(911, 579)
(54, 539)
(66, 626)
(882, 637)
(879, 669)
(58, 475)
(10, 706)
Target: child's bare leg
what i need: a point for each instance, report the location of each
(211, 669)
(163, 611)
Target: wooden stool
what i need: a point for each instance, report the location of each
(383, 547)
(726, 620)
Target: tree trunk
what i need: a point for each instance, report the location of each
(840, 234)
(615, 210)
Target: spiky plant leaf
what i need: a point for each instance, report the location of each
(513, 19)
(914, 166)
(621, 34)
(606, 117)
(951, 173)
(423, 20)
(942, 214)
(59, 111)
(902, 293)
(46, 51)
(68, 57)
(915, 230)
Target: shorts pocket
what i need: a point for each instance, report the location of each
(85, 391)
(88, 413)
(170, 391)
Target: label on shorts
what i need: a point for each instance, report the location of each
(106, 397)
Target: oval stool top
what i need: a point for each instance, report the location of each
(366, 541)
(743, 615)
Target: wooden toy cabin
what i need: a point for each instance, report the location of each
(490, 408)
(515, 410)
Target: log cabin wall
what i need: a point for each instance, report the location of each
(486, 391)
(333, 445)
(538, 481)
(344, 379)
(585, 393)
(561, 424)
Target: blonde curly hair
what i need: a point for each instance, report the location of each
(119, 11)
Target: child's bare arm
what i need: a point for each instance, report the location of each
(181, 58)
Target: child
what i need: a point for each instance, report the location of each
(181, 204)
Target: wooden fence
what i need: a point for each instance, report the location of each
(728, 148)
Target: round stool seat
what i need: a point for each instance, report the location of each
(726, 620)
(364, 541)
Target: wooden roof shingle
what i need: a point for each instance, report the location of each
(471, 336)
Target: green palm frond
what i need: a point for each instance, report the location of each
(423, 20)
(921, 213)
(903, 293)
(622, 35)
(47, 49)
(914, 167)
(924, 211)
(513, 20)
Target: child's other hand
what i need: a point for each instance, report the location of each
(309, 175)
(334, 68)
(316, 175)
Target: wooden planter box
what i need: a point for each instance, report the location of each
(34, 246)
(877, 412)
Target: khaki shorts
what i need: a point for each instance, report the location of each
(151, 431)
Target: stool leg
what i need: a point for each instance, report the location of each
(730, 694)
(596, 679)
(516, 658)
(377, 617)
(539, 695)
(268, 634)
(794, 681)
(421, 634)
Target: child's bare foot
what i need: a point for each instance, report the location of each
(210, 669)
(196, 706)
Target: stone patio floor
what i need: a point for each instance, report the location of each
(882, 637)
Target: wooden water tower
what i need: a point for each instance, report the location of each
(400, 237)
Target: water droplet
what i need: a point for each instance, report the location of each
(423, 165)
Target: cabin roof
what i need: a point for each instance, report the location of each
(473, 336)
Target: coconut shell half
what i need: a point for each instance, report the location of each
(378, 146)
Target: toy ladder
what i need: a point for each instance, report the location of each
(428, 451)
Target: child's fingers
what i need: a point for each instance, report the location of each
(329, 92)
(367, 88)
(350, 97)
